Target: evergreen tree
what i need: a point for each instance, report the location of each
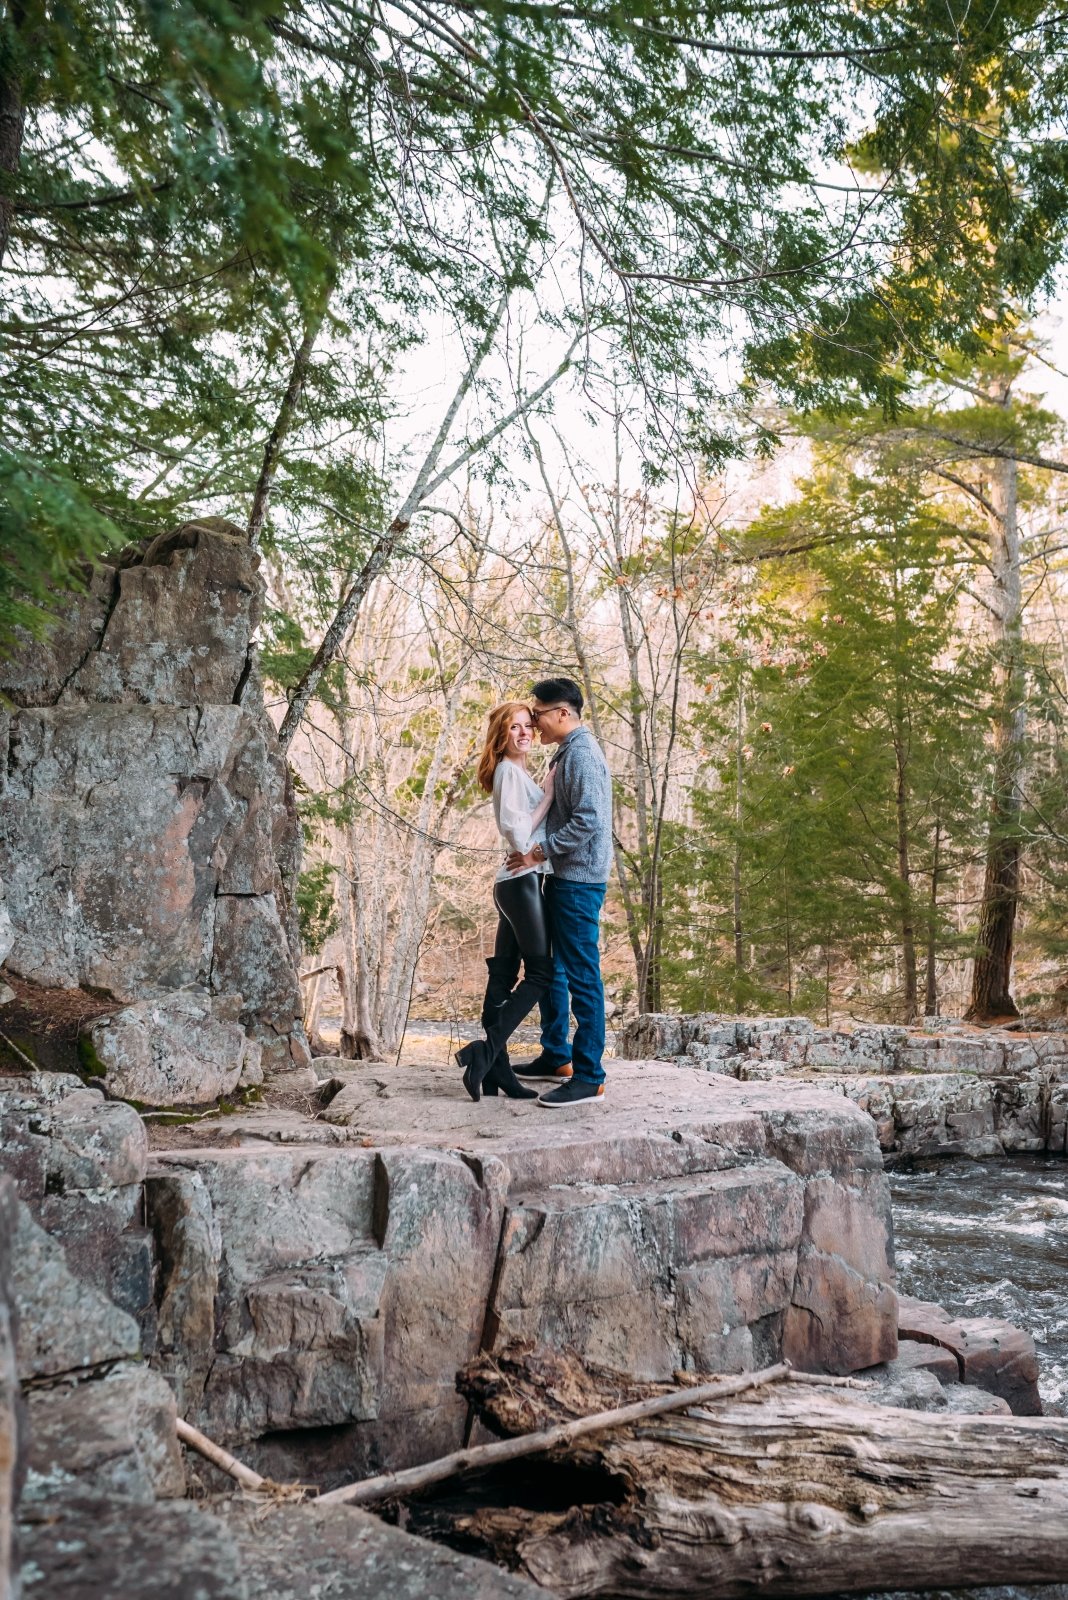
(848, 717)
(218, 222)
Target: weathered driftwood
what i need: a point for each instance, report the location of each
(479, 1458)
(789, 1491)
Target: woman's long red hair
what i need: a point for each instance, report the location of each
(496, 740)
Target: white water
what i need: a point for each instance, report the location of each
(990, 1238)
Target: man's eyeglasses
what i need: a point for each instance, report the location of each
(543, 711)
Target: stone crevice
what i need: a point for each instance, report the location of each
(96, 644)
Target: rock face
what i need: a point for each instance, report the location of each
(961, 1091)
(115, 1437)
(78, 1161)
(148, 836)
(100, 1424)
(317, 1299)
(9, 1395)
(350, 1555)
(100, 1513)
(67, 1326)
(181, 1552)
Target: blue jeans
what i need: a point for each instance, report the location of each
(574, 925)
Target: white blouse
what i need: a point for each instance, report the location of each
(515, 798)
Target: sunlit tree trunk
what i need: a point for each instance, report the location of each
(736, 874)
(930, 998)
(992, 973)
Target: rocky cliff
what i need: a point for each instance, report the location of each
(149, 842)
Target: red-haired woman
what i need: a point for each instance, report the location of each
(522, 930)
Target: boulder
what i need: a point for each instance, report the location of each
(348, 1554)
(113, 1437)
(991, 1354)
(65, 1325)
(966, 1401)
(916, 1357)
(100, 1550)
(183, 1048)
(906, 1388)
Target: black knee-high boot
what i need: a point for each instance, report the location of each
(502, 976)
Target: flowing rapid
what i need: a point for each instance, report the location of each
(990, 1238)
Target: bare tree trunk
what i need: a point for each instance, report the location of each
(736, 871)
(284, 420)
(910, 995)
(789, 941)
(359, 1037)
(12, 126)
(992, 973)
(312, 1006)
(930, 998)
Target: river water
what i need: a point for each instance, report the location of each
(990, 1238)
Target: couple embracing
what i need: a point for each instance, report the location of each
(548, 895)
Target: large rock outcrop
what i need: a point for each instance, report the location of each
(78, 1161)
(9, 1394)
(322, 1283)
(148, 838)
(90, 1462)
(944, 1090)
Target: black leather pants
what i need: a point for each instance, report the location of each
(522, 935)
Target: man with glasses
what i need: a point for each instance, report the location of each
(578, 843)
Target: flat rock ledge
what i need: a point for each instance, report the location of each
(941, 1089)
(322, 1281)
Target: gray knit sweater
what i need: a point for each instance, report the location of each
(578, 828)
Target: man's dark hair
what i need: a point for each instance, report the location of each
(564, 690)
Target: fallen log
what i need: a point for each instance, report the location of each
(480, 1458)
(787, 1491)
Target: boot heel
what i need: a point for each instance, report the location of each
(504, 1078)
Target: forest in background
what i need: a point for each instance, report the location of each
(349, 274)
(799, 681)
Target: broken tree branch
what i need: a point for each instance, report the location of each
(389, 1484)
(218, 1456)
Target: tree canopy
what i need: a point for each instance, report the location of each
(192, 193)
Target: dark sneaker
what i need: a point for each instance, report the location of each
(542, 1070)
(573, 1093)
